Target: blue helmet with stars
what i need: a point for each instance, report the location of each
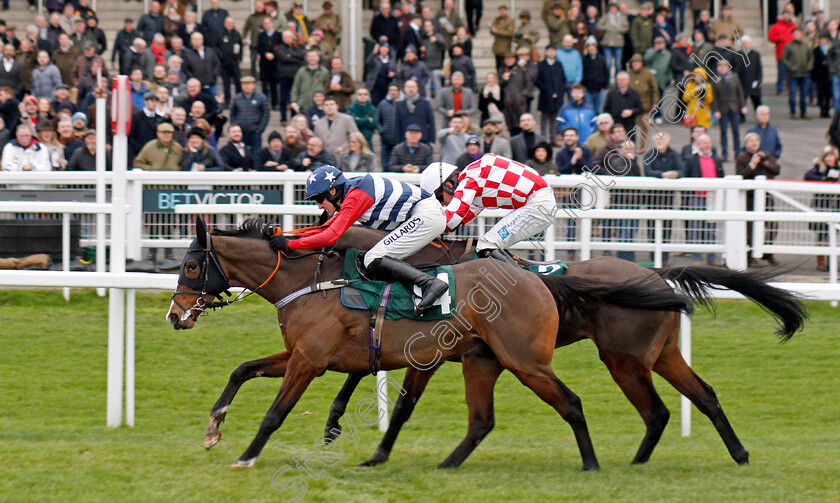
(322, 180)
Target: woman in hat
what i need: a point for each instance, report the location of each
(199, 156)
(48, 138)
(542, 159)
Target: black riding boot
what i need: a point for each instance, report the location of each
(498, 255)
(387, 268)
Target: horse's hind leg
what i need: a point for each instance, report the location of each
(673, 368)
(553, 392)
(270, 366)
(333, 429)
(414, 383)
(480, 375)
(634, 380)
(299, 373)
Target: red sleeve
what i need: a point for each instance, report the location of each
(355, 204)
(459, 210)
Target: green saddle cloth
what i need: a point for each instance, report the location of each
(401, 299)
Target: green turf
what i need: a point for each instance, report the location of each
(54, 446)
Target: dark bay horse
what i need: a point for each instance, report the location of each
(319, 334)
(631, 343)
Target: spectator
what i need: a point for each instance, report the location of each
(213, 21)
(681, 63)
(471, 154)
(616, 137)
(527, 34)
(365, 115)
(307, 79)
(490, 98)
(434, 53)
(236, 155)
(275, 156)
(65, 57)
(302, 23)
(334, 127)
(502, 30)
(752, 162)
(300, 123)
(703, 164)
(96, 34)
(462, 62)
(24, 153)
(381, 70)
(613, 25)
(663, 162)
(290, 57)
(144, 125)
(752, 74)
(596, 74)
(577, 114)
(339, 84)
(177, 89)
(84, 158)
(229, 46)
(202, 62)
(64, 128)
(691, 149)
(572, 62)
(517, 87)
(250, 110)
(314, 156)
(199, 156)
(449, 20)
(176, 48)
(826, 169)
(386, 123)
(725, 24)
(573, 158)
(698, 97)
(642, 80)
(658, 60)
(171, 23)
(412, 36)
(161, 154)
(151, 22)
(138, 56)
(358, 156)
(663, 27)
(452, 140)
(769, 135)
(385, 25)
(624, 103)
(456, 98)
(491, 141)
(474, 10)
(413, 69)
(49, 140)
(414, 110)
(599, 138)
(703, 21)
(178, 118)
(251, 30)
(273, 47)
(294, 141)
(523, 142)
(11, 71)
(701, 46)
(330, 24)
(781, 33)
(540, 159)
(410, 156)
(821, 74)
(45, 77)
(195, 93)
(139, 87)
(551, 81)
(315, 112)
(641, 29)
(727, 106)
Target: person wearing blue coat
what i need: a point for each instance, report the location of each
(551, 81)
(769, 135)
(574, 158)
(571, 60)
(578, 114)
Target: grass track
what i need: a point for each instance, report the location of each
(781, 399)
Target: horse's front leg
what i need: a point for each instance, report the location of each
(299, 373)
(270, 366)
(333, 429)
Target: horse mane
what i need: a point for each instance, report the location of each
(254, 228)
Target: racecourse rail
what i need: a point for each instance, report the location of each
(603, 207)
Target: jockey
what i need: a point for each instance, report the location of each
(493, 182)
(410, 213)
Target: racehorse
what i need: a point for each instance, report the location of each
(319, 334)
(630, 342)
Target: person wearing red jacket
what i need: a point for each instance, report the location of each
(780, 34)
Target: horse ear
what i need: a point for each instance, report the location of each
(201, 231)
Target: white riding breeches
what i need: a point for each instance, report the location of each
(522, 223)
(425, 222)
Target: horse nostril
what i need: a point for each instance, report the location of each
(173, 318)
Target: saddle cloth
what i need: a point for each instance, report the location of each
(367, 295)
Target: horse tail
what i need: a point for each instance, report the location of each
(785, 306)
(584, 296)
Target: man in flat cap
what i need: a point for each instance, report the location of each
(250, 110)
(162, 153)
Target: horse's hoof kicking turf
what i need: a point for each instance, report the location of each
(239, 463)
(212, 439)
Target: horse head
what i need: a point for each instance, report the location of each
(200, 282)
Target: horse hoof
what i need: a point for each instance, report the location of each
(331, 434)
(212, 439)
(744, 459)
(591, 468)
(246, 463)
(446, 466)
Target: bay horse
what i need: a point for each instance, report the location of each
(319, 334)
(631, 343)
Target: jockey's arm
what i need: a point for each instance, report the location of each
(459, 211)
(355, 204)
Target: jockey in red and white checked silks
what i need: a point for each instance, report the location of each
(498, 182)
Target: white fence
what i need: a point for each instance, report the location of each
(610, 213)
